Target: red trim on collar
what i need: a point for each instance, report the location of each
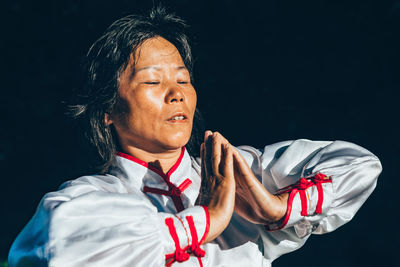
(177, 163)
(154, 169)
(173, 191)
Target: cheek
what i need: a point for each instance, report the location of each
(193, 101)
(121, 113)
(151, 101)
(145, 106)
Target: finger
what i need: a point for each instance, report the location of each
(216, 153)
(228, 161)
(240, 163)
(222, 139)
(203, 169)
(205, 166)
(207, 157)
(205, 183)
(206, 135)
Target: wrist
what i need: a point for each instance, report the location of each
(217, 224)
(281, 207)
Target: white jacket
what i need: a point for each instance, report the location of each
(138, 216)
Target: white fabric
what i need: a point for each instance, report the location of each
(106, 220)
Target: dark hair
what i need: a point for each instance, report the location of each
(107, 59)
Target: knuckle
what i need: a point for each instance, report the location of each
(215, 140)
(216, 172)
(221, 137)
(214, 157)
(219, 177)
(218, 136)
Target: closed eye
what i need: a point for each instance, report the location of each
(183, 82)
(151, 82)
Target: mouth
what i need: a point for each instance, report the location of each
(177, 118)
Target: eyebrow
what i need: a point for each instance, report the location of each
(149, 67)
(158, 68)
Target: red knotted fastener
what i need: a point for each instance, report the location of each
(175, 191)
(195, 247)
(301, 186)
(320, 178)
(304, 183)
(181, 256)
(197, 251)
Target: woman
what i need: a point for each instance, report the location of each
(146, 209)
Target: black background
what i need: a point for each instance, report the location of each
(265, 71)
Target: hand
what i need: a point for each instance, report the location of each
(253, 201)
(218, 183)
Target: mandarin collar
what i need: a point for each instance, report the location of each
(138, 173)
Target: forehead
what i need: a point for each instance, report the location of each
(157, 51)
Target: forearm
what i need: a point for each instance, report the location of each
(253, 201)
(265, 207)
(220, 210)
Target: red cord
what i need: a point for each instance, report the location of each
(180, 255)
(195, 247)
(302, 185)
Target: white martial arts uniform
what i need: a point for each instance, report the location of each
(138, 216)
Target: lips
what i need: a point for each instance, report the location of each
(177, 117)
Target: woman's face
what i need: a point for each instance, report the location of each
(157, 100)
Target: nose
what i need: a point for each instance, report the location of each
(174, 94)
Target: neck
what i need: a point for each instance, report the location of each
(161, 160)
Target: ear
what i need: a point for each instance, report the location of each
(107, 119)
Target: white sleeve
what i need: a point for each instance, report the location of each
(83, 226)
(337, 179)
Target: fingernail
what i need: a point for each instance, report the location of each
(207, 134)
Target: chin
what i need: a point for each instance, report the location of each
(177, 141)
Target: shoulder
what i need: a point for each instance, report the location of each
(106, 183)
(84, 185)
(301, 147)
